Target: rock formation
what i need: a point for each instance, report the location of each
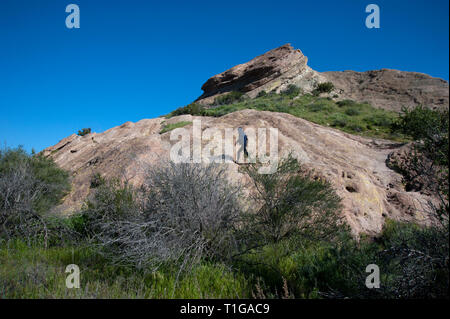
(280, 67)
(272, 71)
(356, 166)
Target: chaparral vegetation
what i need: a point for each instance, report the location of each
(188, 232)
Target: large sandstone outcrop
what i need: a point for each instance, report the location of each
(356, 166)
(280, 67)
(272, 71)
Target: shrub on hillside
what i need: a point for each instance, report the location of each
(188, 214)
(290, 202)
(229, 98)
(345, 103)
(110, 201)
(428, 159)
(339, 121)
(319, 106)
(29, 187)
(84, 132)
(424, 252)
(428, 126)
(261, 94)
(417, 258)
(380, 120)
(413, 263)
(325, 87)
(193, 109)
(356, 128)
(291, 91)
(97, 180)
(352, 111)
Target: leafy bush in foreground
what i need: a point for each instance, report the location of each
(111, 201)
(29, 187)
(290, 203)
(187, 215)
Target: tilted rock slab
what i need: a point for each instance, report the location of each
(273, 71)
(277, 69)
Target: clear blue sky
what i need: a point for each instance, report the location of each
(140, 59)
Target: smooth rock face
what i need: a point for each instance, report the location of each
(272, 71)
(356, 166)
(280, 67)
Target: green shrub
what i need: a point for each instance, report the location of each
(352, 111)
(413, 261)
(289, 202)
(49, 183)
(420, 121)
(193, 109)
(84, 132)
(229, 98)
(429, 126)
(325, 87)
(428, 159)
(339, 121)
(261, 94)
(111, 200)
(291, 91)
(417, 259)
(29, 187)
(345, 103)
(356, 128)
(319, 106)
(97, 180)
(380, 120)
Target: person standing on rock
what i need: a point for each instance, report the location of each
(243, 140)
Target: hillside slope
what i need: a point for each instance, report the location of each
(356, 166)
